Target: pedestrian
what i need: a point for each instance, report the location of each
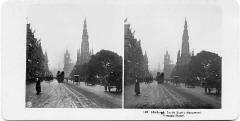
(38, 86)
(137, 87)
(105, 83)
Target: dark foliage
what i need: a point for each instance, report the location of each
(101, 64)
(205, 68)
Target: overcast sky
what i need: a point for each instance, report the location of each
(60, 27)
(160, 28)
(159, 24)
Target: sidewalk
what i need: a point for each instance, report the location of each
(199, 91)
(99, 90)
(53, 95)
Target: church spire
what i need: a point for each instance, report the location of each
(85, 23)
(85, 54)
(185, 25)
(178, 56)
(146, 71)
(85, 33)
(185, 53)
(185, 36)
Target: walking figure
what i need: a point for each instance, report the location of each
(105, 82)
(38, 86)
(137, 87)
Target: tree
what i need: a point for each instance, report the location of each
(206, 68)
(101, 64)
(104, 63)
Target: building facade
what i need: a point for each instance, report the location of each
(168, 66)
(68, 65)
(146, 69)
(135, 62)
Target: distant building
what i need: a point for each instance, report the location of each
(146, 70)
(168, 66)
(84, 55)
(46, 68)
(184, 57)
(68, 65)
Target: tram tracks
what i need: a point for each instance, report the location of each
(45, 96)
(81, 100)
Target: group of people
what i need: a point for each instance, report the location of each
(60, 78)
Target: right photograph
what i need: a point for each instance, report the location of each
(172, 55)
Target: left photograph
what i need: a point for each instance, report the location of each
(73, 56)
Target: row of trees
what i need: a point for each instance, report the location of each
(36, 60)
(204, 69)
(100, 65)
(135, 63)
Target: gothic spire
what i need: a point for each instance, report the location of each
(178, 55)
(185, 31)
(185, 38)
(185, 53)
(85, 23)
(185, 25)
(85, 33)
(85, 54)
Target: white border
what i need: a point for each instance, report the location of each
(13, 69)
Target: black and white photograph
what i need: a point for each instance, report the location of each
(120, 59)
(172, 56)
(73, 56)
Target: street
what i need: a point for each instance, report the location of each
(69, 95)
(166, 95)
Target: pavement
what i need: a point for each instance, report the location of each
(67, 95)
(169, 96)
(153, 95)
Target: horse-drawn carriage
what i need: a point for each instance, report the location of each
(212, 85)
(160, 78)
(113, 81)
(76, 79)
(60, 76)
